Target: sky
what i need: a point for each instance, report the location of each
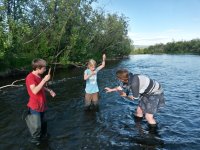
(157, 21)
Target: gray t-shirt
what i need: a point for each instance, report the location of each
(140, 85)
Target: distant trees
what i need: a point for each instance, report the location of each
(181, 47)
(60, 31)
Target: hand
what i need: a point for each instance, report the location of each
(104, 57)
(123, 94)
(93, 73)
(49, 72)
(119, 88)
(52, 93)
(47, 77)
(108, 90)
(131, 97)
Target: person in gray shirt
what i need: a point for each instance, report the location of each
(140, 87)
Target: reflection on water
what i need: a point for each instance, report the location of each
(113, 126)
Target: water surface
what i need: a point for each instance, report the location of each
(113, 127)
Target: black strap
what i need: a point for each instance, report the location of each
(150, 87)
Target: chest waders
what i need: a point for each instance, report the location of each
(37, 126)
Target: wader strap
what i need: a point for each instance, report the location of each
(150, 88)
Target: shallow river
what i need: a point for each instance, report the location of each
(113, 126)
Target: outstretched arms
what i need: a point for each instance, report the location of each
(116, 89)
(120, 91)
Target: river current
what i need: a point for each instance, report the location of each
(113, 126)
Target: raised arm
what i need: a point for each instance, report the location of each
(103, 62)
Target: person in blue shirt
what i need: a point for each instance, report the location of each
(91, 89)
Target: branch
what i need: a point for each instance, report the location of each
(13, 84)
(77, 65)
(36, 35)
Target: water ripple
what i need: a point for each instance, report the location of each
(113, 126)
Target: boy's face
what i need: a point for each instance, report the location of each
(123, 80)
(42, 69)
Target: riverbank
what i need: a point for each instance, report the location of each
(15, 72)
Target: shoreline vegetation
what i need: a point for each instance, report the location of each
(62, 32)
(15, 72)
(68, 34)
(180, 47)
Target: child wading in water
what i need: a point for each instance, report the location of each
(37, 106)
(92, 90)
(140, 87)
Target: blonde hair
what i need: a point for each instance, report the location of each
(91, 62)
(38, 63)
(122, 74)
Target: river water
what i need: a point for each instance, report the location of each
(113, 126)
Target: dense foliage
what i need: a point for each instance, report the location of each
(181, 47)
(60, 31)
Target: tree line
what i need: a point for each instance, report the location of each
(181, 47)
(59, 31)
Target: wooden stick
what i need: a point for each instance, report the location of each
(13, 84)
(49, 72)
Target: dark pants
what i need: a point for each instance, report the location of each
(37, 124)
